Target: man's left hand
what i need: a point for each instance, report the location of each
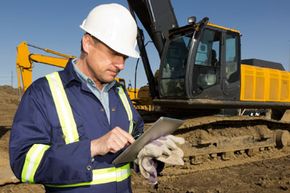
(163, 149)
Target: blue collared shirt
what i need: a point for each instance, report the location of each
(102, 95)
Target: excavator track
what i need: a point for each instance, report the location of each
(219, 141)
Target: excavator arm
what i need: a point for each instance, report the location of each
(25, 60)
(157, 18)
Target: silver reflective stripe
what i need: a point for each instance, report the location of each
(32, 161)
(127, 106)
(102, 176)
(63, 108)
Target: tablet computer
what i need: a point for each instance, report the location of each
(163, 126)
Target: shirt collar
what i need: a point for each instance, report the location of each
(88, 80)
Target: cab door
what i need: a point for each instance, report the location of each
(215, 71)
(206, 65)
(231, 65)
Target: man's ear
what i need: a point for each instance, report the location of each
(86, 43)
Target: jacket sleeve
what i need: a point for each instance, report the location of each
(33, 156)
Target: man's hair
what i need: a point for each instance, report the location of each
(96, 41)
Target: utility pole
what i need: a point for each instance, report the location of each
(289, 55)
(11, 78)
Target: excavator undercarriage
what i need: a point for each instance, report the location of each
(219, 141)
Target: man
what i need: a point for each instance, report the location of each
(70, 125)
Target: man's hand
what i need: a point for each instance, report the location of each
(112, 142)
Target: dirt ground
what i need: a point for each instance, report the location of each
(266, 174)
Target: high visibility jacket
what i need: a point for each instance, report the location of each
(51, 145)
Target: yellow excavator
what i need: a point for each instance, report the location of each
(232, 106)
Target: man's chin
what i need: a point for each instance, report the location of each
(108, 81)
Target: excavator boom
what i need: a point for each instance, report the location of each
(25, 60)
(157, 18)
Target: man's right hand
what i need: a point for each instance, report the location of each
(112, 142)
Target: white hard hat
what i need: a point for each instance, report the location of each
(114, 25)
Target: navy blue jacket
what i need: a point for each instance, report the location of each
(36, 122)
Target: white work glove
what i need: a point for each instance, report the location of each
(163, 149)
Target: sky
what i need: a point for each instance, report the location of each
(54, 24)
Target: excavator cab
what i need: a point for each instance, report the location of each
(201, 61)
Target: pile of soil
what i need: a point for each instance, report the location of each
(271, 175)
(9, 100)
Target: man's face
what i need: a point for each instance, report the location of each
(103, 63)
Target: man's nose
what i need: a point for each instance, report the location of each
(120, 62)
(120, 66)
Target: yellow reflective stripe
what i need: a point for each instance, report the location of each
(127, 106)
(63, 108)
(102, 176)
(32, 161)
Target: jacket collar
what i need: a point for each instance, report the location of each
(68, 74)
